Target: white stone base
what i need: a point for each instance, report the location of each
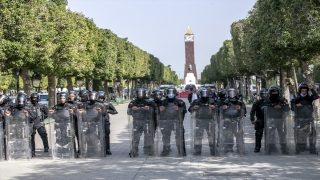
(190, 79)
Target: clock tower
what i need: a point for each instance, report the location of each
(190, 72)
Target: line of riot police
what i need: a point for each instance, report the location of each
(282, 132)
(71, 128)
(161, 122)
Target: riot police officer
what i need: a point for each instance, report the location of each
(40, 112)
(72, 100)
(4, 106)
(142, 111)
(205, 118)
(276, 119)
(22, 115)
(157, 96)
(233, 110)
(222, 96)
(259, 122)
(110, 109)
(304, 120)
(171, 102)
(84, 97)
(63, 113)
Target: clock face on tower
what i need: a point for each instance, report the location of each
(188, 38)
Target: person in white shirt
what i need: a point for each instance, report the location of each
(193, 96)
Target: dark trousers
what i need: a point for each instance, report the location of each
(259, 132)
(44, 137)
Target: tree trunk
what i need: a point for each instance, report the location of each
(96, 84)
(306, 72)
(52, 90)
(26, 81)
(69, 83)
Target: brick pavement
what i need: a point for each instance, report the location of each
(121, 166)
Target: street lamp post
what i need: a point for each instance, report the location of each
(17, 78)
(36, 81)
(79, 81)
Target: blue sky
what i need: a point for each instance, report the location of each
(158, 26)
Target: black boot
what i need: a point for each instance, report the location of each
(297, 149)
(134, 152)
(284, 149)
(313, 149)
(212, 150)
(108, 152)
(258, 145)
(197, 150)
(33, 153)
(165, 151)
(46, 149)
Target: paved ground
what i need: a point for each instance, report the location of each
(121, 166)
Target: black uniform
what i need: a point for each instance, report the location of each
(3, 108)
(61, 117)
(143, 123)
(304, 122)
(204, 121)
(170, 103)
(39, 113)
(259, 123)
(278, 122)
(110, 109)
(232, 118)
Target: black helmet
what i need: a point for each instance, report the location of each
(222, 94)
(101, 95)
(232, 93)
(75, 95)
(303, 86)
(157, 95)
(34, 97)
(203, 93)
(62, 95)
(22, 94)
(93, 95)
(147, 94)
(83, 94)
(170, 92)
(21, 101)
(4, 99)
(140, 93)
(272, 89)
(263, 93)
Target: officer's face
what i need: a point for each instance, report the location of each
(71, 96)
(34, 99)
(1, 101)
(62, 99)
(274, 92)
(303, 91)
(101, 100)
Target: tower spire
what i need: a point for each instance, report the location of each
(189, 31)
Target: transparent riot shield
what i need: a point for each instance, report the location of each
(18, 131)
(61, 133)
(204, 131)
(141, 131)
(316, 134)
(231, 131)
(2, 151)
(170, 139)
(305, 130)
(91, 133)
(278, 130)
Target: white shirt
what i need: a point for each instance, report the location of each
(194, 97)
